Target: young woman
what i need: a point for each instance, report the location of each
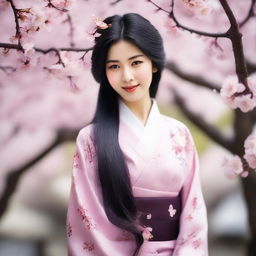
(135, 188)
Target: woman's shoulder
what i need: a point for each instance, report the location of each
(85, 133)
(173, 123)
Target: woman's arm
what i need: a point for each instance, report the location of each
(192, 239)
(89, 232)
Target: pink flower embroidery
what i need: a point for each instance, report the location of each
(171, 210)
(69, 230)
(194, 203)
(146, 233)
(126, 236)
(180, 141)
(85, 218)
(197, 243)
(88, 246)
(189, 217)
(90, 153)
(76, 159)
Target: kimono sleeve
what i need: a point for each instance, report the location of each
(192, 239)
(89, 232)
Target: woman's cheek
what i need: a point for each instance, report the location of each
(113, 78)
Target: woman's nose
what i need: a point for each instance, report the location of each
(127, 75)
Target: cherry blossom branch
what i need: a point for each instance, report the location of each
(232, 33)
(6, 68)
(115, 2)
(236, 40)
(14, 176)
(18, 34)
(195, 79)
(249, 14)
(71, 30)
(179, 25)
(249, 190)
(17, 47)
(45, 51)
(208, 129)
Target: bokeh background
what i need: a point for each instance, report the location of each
(43, 106)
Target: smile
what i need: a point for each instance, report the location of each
(130, 88)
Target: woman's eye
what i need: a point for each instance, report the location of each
(137, 62)
(113, 67)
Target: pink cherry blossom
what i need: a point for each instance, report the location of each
(29, 49)
(64, 4)
(93, 25)
(252, 85)
(172, 27)
(199, 7)
(250, 150)
(231, 87)
(245, 102)
(57, 70)
(232, 166)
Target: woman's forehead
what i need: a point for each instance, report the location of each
(123, 51)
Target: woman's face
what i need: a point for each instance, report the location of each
(129, 71)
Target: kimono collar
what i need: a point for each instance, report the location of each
(133, 122)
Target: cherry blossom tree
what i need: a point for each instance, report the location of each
(45, 51)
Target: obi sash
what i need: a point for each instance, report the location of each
(162, 214)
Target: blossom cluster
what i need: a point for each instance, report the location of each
(36, 18)
(235, 94)
(234, 166)
(200, 7)
(250, 150)
(96, 23)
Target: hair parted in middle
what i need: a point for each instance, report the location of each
(112, 169)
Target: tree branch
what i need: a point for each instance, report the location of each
(71, 30)
(7, 69)
(243, 126)
(18, 34)
(115, 2)
(249, 14)
(236, 40)
(179, 25)
(45, 51)
(209, 130)
(15, 176)
(195, 79)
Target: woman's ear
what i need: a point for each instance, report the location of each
(154, 69)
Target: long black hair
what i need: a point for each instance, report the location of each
(112, 169)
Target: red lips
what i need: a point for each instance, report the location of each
(129, 87)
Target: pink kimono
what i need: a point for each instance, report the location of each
(162, 160)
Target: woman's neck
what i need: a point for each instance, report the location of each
(141, 108)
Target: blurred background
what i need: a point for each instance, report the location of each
(43, 105)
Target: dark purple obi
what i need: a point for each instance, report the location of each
(162, 214)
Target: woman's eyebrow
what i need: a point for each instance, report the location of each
(131, 58)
